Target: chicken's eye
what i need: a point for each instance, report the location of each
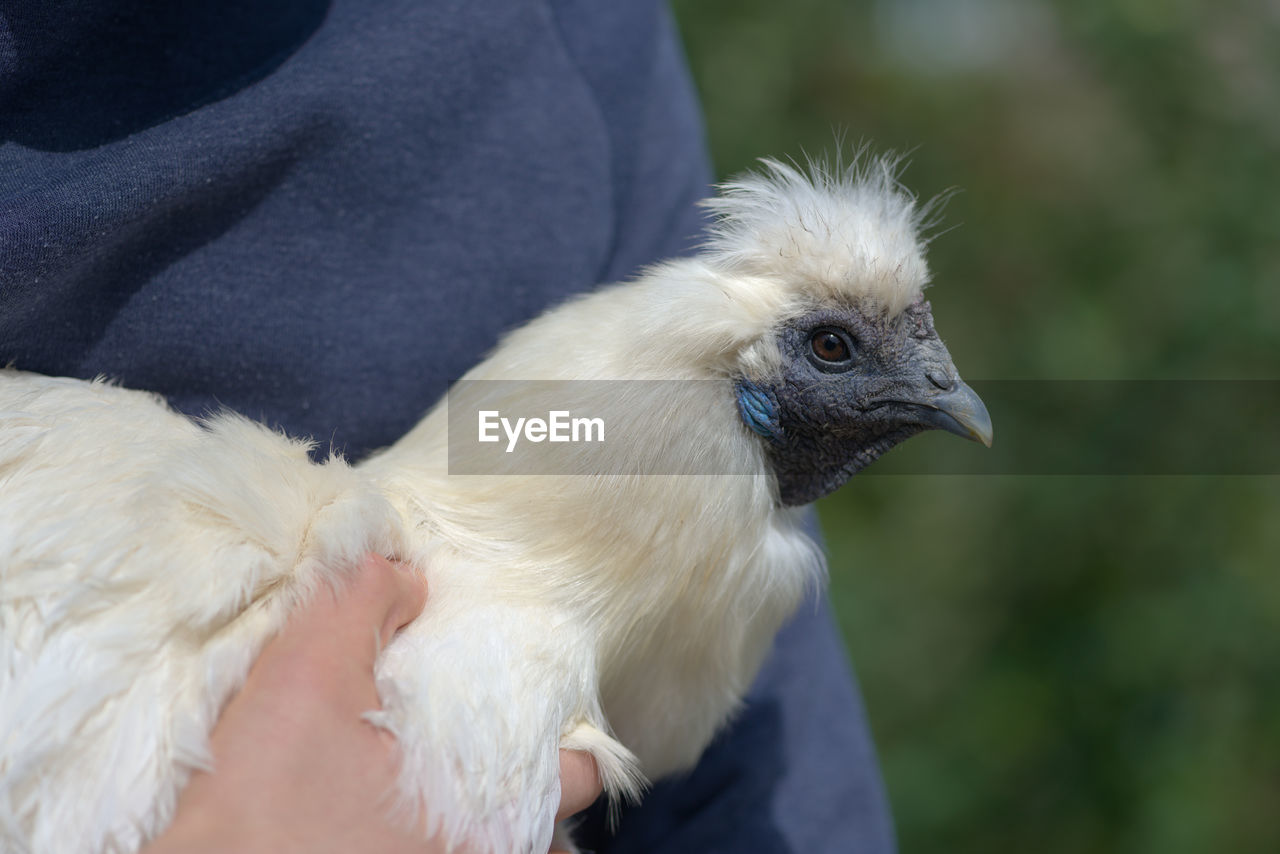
(830, 346)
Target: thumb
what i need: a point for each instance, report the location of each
(396, 591)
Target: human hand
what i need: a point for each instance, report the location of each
(297, 769)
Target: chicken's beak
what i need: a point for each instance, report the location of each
(957, 410)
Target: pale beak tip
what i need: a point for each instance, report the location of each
(966, 411)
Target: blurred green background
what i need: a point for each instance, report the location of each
(1054, 664)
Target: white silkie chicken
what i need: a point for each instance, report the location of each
(621, 607)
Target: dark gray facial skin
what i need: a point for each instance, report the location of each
(840, 402)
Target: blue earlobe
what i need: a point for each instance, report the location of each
(757, 409)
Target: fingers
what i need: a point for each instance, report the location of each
(399, 593)
(340, 632)
(579, 782)
(382, 596)
(396, 595)
(579, 785)
(295, 759)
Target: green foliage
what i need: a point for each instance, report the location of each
(1056, 664)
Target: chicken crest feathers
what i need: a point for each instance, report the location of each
(849, 232)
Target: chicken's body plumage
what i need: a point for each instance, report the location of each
(146, 559)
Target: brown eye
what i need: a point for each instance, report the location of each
(828, 346)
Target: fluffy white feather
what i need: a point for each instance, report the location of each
(833, 233)
(145, 559)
